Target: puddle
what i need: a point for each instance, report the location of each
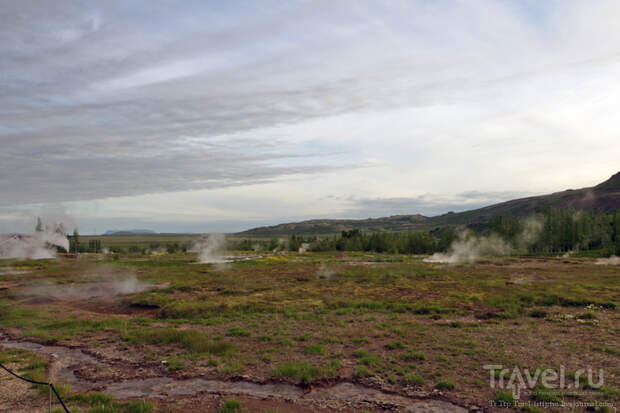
(65, 360)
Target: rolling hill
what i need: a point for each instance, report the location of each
(603, 197)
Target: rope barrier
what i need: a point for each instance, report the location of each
(51, 386)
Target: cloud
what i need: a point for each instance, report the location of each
(427, 204)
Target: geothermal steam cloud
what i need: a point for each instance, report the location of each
(95, 288)
(40, 245)
(468, 247)
(210, 249)
(613, 260)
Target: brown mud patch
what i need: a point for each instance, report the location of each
(67, 365)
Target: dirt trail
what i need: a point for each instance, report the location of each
(65, 360)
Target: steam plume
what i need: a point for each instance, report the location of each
(210, 249)
(108, 288)
(613, 260)
(40, 245)
(468, 247)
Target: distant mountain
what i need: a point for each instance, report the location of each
(603, 197)
(129, 232)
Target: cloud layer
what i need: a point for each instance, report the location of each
(378, 102)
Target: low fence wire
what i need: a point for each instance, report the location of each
(51, 387)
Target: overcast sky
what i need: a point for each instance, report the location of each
(218, 116)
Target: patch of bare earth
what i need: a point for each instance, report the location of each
(17, 396)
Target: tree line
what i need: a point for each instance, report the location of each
(557, 230)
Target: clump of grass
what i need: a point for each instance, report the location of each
(540, 394)
(414, 356)
(230, 406)
(175, 364)
(456, 324)
(370, 360)
(445, 385)
(504, 398)
(361, 353)
(412, 379)
(362, 371)
(395, 345)
(315, 349)
(140, 406)
(305, 337)
(231, 367)
(302, 371)
(238, 332)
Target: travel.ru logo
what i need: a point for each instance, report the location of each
(517, 379)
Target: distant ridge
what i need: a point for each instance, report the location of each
(129, 232)
(603, 197)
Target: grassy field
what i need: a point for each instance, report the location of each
(392, 322)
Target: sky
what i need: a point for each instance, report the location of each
(211, 116)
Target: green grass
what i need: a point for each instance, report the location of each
(412, 379)
(361, 353)
(504, 398)
(305, 372)
(414, 356)
(315, 349)
(238, 332)
(383, 315)
(540, 394)
(230, 406)
(363, 371)
(193, 341)
(395, 345)
(445, 385)
(100, 403)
